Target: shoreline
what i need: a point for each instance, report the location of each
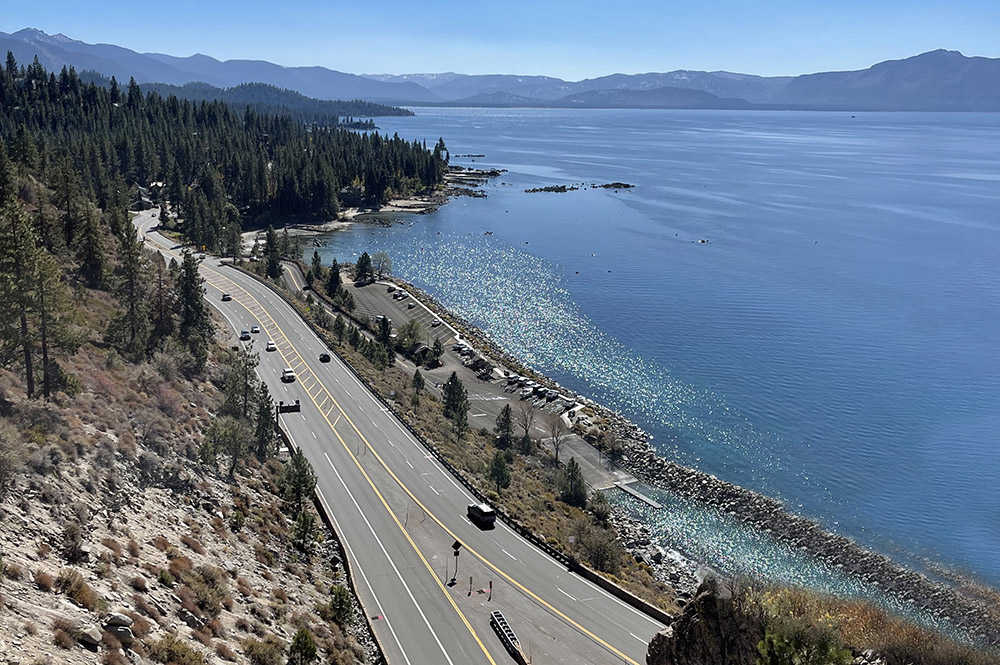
(458, 181)
(766, 514)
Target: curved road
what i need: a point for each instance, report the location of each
(398, 512)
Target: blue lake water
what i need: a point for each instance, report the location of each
(835, 343)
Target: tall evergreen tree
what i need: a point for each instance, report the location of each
(333, 280)
(129, 331)
(363, 268)
(505, 427)
(194, 327)
(456, 399)
(18, 273)
(272, 254)
(264, 423)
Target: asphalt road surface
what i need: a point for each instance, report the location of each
(398, 512)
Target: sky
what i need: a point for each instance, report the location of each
(572, 39)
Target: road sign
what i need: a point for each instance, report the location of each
(456, 546)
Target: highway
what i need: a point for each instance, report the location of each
(398, 512)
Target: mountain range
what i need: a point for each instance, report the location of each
(936, 80)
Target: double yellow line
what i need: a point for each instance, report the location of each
(541, 601)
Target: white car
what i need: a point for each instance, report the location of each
(288, 375)
(270, 346)
(435, 323)
(255, 330)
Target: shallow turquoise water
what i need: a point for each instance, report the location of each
(834, 343)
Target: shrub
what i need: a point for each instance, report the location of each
(203, 635)
(44, 580)
(193, 544)
(114, 546)
(13, 571)
(138, 583)
(223, 651)
(165, 579)
(340, 608)
(172, 651)
(161, 543)
(303, 648)
(62, 639)
(263, 652)
(133, 548)
(71, 583)
(140, 625)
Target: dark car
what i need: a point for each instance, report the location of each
(244, 335)
(482, 515)
(226, 297)
(324, 357)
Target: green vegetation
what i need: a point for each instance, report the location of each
(218, 167)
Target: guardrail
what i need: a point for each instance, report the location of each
(341, 552)
(516, 525)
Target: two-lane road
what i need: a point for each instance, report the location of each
(399, 512)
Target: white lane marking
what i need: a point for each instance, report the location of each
(508, 554)
(314, 435)
(637, 637)
(469, 497)
(434, 490)
(360, 569)
(389, 559)
(566, 594)
(408, 464)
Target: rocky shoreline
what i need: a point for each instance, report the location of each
(759, 511)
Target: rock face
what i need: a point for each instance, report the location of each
(710, 631)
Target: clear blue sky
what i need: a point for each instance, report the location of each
(566, 38)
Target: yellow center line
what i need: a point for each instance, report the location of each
(531, 594)
(385, 504)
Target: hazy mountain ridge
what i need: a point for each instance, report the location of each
(936, 80)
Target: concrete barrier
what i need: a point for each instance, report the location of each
(341, 552)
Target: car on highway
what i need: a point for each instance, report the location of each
(324, 357)
(254, 330)
(244, 335)
(270, 346)
(226, 297)
(288, 375)
(482, 515)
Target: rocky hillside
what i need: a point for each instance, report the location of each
(120, 544)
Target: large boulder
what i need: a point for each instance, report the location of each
(712, 630)
(118, 619)
(88, 636)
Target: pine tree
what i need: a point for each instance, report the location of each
(333, 280)
(194, 326)
(272, 254)
(241, 383)
(297, 481)
(163, 299)
(338, 328)
(90, 249)
(498, 471)
(129, 331)
(363, 268)
(303, 648)
(456, 399)
(505, 427)
(317, 266)
(264, 423)
(437, 350)
(418, 382)
(55, 315)
(572, 487)
(18, 272)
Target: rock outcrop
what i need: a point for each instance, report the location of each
(712, 630)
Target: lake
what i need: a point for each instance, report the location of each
(833, 342)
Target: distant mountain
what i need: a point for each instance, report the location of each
(54, 51)
(266, 99)
(667, 97)
(937, 80)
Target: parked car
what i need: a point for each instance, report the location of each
(226, 297)
(324, 357)
(390, 288)
(255, 330)
(270, 346)
(435, 323)
(410, 305)
(288, 375)
(244, 335)
(481, 515)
